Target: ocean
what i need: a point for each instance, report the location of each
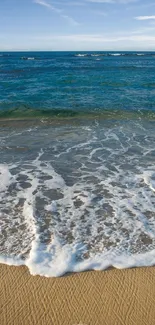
(77, 160)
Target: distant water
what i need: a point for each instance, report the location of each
(77, 166)
(69, 83)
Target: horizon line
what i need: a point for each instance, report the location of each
(134, 50)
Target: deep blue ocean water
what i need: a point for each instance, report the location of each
(77, 160)
(78, 82)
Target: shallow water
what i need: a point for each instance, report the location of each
(77, 195)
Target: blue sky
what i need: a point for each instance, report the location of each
(77, 25)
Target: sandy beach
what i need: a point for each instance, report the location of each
(113, 297)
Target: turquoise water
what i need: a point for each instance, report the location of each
(70, 83)
(77, 160)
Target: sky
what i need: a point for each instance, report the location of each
(77, 25)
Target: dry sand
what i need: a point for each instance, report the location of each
(114, 297)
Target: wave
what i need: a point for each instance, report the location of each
(40, 261)
(114, 54)
(24, 111)
(82, 55)
(27, 58)
(30, 112)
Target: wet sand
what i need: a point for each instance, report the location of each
(113, 297)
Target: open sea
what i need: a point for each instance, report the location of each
(77, 160)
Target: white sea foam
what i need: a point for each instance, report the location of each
(116, 54)
(55, 259)
(4, 177)
(81, 55)
(27, 58)
(84, 201)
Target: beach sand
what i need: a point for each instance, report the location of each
(113, 297)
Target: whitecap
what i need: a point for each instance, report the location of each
(116, 54)
(81, 55)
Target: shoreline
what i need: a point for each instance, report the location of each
(112, 297)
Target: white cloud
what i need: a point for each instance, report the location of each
(43, 3)
(78, 42)
(72, 21)
(145, 17)
(97, 38)
(150, 29)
